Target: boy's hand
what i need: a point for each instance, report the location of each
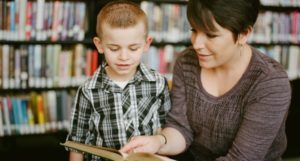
(149, 144)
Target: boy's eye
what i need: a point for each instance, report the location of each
(134, 49)
(193, 30)
(113, 49)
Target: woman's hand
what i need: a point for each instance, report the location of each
(149, 144)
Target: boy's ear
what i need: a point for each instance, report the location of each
(148, 43)
(243, 37)
(98, 44)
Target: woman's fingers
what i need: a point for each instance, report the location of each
(134, 143)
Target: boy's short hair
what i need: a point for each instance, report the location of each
(121, 14)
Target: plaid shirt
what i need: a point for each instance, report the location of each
(106, 115)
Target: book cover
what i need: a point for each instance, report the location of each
(114, 154)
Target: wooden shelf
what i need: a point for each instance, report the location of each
(275, 43)
(279, 8)
(26, 90)
(182, 2)
(63, 132)
(67, 42)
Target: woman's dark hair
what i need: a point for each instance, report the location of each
(234, 15)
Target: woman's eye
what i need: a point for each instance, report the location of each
(211, 35)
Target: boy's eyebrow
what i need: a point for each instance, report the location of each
(137, 44)
(116, 45)
(112, 44)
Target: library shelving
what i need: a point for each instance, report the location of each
(46, 52)
(40, 38)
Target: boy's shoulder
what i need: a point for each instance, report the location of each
(93, 81)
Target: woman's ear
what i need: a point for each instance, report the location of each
(148, 43)
(98, 44)
(243, 37)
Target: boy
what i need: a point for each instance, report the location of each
(123, 98)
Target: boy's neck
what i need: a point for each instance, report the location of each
(118, 78)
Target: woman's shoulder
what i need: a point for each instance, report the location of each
(268, 74)
(267, 66)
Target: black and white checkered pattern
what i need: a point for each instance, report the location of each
(106, 115)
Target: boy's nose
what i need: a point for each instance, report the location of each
(123, 55)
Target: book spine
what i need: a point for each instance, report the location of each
(94, 65)
(39, 18)
(28, 20)
(5, 63)
(24, 67)
(1, 66)
(11, 67)
(17, 71)
(22, 19)
(12, 11)
(1, 19)
(1, 118)
(6, 111)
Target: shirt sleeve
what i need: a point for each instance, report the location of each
(177, 117)
(263, 121)
(80, 117)
(165, 103)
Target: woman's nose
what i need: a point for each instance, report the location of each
(199, 41)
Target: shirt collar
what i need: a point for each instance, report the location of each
(101, 80)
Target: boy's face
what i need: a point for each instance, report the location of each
(123, 49)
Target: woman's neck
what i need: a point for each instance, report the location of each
(220, 80)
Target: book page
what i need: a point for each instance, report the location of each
(95, 150)
(145, 157)
(114, 154)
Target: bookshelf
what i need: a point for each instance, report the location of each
(285, 51)
(34, 117)
(165, 47)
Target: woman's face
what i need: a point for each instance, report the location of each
(215, 50)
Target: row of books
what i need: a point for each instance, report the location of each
(277, 27)
(284, 3)
(41, 66)
(40, 20)
(48, 66)
(35, 112)
(167, 22)
(66, 20)
(162, 59)
(288, 56)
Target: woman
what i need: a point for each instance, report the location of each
(229, 101)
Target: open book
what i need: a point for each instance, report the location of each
(114, 154)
